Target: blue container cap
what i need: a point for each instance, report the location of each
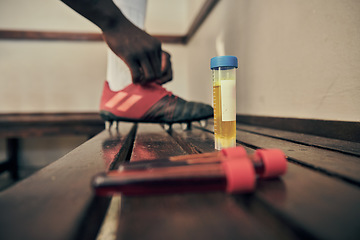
(223, 61)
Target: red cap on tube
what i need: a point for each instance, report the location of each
(240, 175)
(233, 152)
(274, 161)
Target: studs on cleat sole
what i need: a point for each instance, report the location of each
(167, 127)
(115, 125)
(186, 126)
(203, 123)
(107, 125)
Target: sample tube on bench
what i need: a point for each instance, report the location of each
(224, 100)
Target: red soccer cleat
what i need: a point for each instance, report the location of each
(150, 104)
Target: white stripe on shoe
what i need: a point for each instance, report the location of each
(128, 103)
(115, 99)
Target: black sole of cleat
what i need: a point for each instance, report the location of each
(107, 116)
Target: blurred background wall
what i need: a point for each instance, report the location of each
(296, 58)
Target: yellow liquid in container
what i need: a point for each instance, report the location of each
(225, 131)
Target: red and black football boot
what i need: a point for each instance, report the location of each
(150, 104)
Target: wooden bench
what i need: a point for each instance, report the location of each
(16, 126)
(318, 198)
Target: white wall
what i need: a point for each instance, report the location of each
(296, 58)
(48, 76)
(166, 17)
(42, 76)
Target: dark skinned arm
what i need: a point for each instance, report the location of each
(140, 51)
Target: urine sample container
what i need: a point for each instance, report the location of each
(224, 100)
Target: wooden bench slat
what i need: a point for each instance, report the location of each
(306, 188)
(252, 203)
(343, 166)
(188, 216)
(318, 204)
(305, 139)
(182, 216)
(197, 139)
(49, 124)
(153, 142)
(55, 202)
(298, 195)
(344, 130)
(295, 197)
(317, 198)
(15, 118)
(204, 142)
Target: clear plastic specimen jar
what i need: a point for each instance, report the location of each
(224, 100)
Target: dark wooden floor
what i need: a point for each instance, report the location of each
(318, 198)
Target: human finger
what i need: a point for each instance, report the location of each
(165, 61)
(148, 70)
(137, 73)
(155, 60)
(166, 77)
